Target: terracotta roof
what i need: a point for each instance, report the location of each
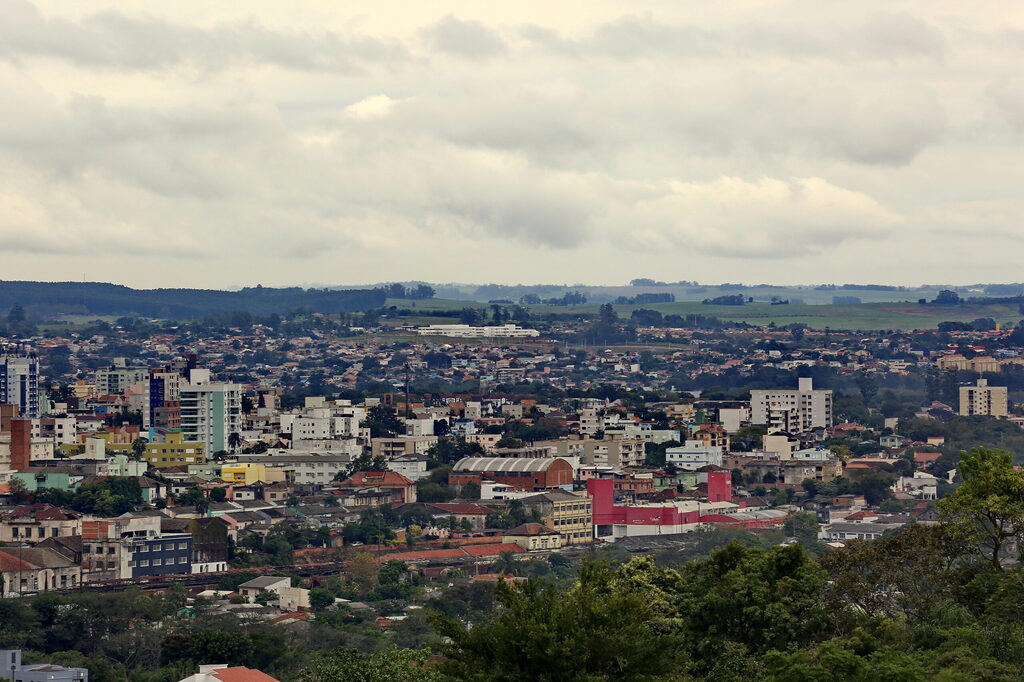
(530, 529)
(493, 550)
(10, 562)
(242, 675)
(921, 457)
(377, 479)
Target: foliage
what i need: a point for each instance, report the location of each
(392, 665)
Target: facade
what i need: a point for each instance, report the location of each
(26, 570)
(506, 331)
(568, 514)
(19, 382)
(612, 450)
(210, 413)
(301, 469)
(32, 523)
(533, 537)
(118, 378)
(794, 410)
(694, 455)
(983, 399)
(175, 450)
(384, 481)
(165, 554)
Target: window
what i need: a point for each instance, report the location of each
(158, 562)
(144, 563)
(182, 545)
(183, 560)
(143, 548)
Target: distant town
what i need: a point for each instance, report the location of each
(374, 479)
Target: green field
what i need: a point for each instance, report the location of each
(893, 315)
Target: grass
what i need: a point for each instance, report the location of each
(890, 315)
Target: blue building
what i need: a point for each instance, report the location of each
(162, 555)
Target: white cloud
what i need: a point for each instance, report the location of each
(513, 143)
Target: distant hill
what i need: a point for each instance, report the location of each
(98, 298)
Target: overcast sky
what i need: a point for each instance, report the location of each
(321, 142)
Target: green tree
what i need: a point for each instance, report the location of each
(987, 509)
(320, 598)
(391, 665)
(218, 495)
(599, 629)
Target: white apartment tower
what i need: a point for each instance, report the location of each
(19, 382)
(793, 410)
(211, 412)
(983, 399)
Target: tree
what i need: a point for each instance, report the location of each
(218, 495)
(987, 509)
(599, 629)
(234, 441)
(16, 314)
(391, 665)
(139, 447)
(320, 598)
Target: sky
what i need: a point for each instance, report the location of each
(323, 143)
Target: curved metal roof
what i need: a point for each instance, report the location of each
(505, 464)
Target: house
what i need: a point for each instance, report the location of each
(223, 673)
(11, 668)
(265, 583)
(32, 523)
(26, 570)
(402, 488)
(533, 537)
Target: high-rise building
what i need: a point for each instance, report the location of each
(793, 410)
(19, 382)
(983, 399)
(210, 413)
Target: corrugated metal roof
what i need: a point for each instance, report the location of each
(505, 464)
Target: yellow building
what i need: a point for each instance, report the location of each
(983, 400)
(175, 450)
(248, 473)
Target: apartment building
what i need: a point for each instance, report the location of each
(568, 514)
(983, 399)
(210, 413)
(793, 410)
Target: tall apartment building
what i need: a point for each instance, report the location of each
(983, 399)
(119, 377)
(793, 410)
(19, 382)
(210, 413)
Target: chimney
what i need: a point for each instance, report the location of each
(21, 443)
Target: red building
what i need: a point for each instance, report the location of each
(531, 474)
(383, 481)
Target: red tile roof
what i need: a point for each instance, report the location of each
(493, 550)
(242, 675)
(922, 457)
(10, 562)
(377, 478)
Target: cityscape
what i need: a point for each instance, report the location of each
(468, 342)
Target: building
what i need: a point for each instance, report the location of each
(311, 469)
(32, 523)
(568, 514)
(26, 570)
(693, 455)
(209, 541)
(532, 537)
(11, 668)
(611, 450)
(265, 583)
(210, 413)
(173, 449)
(529, 474)
(403, 489)
(793, 410)
(118, 378)
(506, 331)
(165, 554)
(983, 399)
(224, 673)
(19, 382)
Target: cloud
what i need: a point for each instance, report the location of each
(113, 40)
(470, 39)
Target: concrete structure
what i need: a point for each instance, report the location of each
(174, 450)
(224, 673)
(118, 377)
(568, 514)
(301, 468)
(982, 399)
(794, 410)
(533, 537)
(265, 583)
(32, 523)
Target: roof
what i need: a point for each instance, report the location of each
(461, 508)
(926, 456)
(10, 562)
(530, 529)
(377, 479)
(505, 463)
(242, 675)
(263, 581)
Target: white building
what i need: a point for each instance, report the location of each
(694, 455)
(505, 331)
(19, 382)
(793, 410)
(210, 413)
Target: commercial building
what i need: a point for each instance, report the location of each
(694, 454)
(174, 450)
(529, 474)
(568, 514)
(983, 399)
(794, 410)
